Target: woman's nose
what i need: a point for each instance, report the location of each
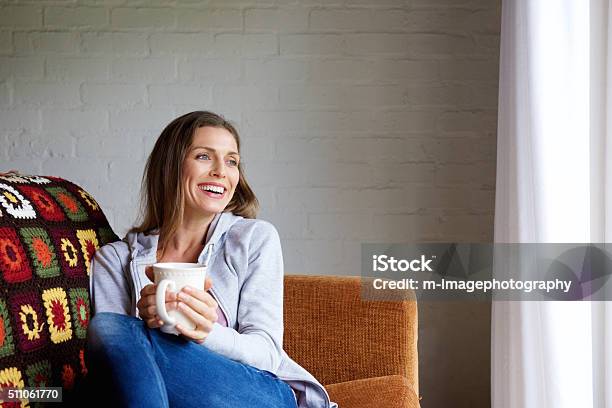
(218, 170)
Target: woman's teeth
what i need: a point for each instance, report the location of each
(213, 189)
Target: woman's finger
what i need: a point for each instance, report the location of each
(148, 307)
(198, 306)
(150, 299)
(202, 322)
(196, 336)
(150, 289)
(141, 302)
(201, 295)
(170, 296)
(154, 322)
(151, 310)
(207, 283)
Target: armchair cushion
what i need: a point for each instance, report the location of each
(392, 391)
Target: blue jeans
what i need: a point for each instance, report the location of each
(132, 365)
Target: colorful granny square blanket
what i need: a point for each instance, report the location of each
(49, 231)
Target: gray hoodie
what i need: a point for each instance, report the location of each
(246, 268)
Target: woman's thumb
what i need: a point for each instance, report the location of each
(149, 273)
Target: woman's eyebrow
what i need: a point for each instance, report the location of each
(212, 150)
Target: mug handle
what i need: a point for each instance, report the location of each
(160, 300)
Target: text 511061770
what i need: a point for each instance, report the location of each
(42, 394)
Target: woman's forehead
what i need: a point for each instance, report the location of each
(216, 138)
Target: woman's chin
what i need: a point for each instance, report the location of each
(213, 209)
(204, 210)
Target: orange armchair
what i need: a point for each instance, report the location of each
(363, 352)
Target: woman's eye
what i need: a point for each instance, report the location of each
(232, 162)
(202, 156)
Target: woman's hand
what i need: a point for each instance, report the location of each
(196, 304)
(201, 308)
(147, 309)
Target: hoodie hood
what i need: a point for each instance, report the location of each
(143, 245)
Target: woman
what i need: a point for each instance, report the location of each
(196, 200)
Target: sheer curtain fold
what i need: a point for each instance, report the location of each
(553, 182)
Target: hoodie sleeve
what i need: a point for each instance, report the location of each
(108, 284)
(259, 338)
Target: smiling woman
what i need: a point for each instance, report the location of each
(197, 208)
(197, 148)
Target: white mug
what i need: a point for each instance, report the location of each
(175, 276)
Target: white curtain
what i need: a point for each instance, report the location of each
(553, 184)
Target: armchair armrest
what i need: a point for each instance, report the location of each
(338, 337)
(393, 391)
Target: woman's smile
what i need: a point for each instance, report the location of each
(213, 190)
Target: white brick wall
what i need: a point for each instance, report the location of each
(320, 87)
(362, 120)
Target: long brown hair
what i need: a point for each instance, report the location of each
(162, 192)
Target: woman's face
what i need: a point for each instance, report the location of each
(210, 171)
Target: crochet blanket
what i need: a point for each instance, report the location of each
(49, 231)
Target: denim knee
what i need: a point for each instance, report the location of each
(108, 330)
